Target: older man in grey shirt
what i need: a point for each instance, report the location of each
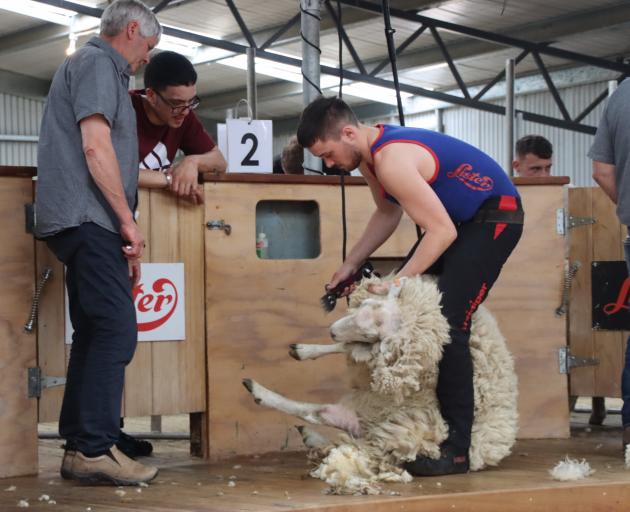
(86, 189)
(611, 170)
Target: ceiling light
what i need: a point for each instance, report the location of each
(38, 10)
(72, 45)
(430, 67)
(179, 45)
(374, 93)
(273, 69)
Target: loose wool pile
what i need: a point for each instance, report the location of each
(571, 469)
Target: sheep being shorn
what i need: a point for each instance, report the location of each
(393, 346)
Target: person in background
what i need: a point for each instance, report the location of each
(610, 153)
(86, 192)
(167, 123)
(292, 157)
(533, 157)
(472, 219)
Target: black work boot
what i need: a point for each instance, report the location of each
(598, 410)
(133, 447)
(448, 464)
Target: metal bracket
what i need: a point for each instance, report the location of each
(560, 221)
(567, 361)
(29, 218)
(37, 383)
(575, 222)
(219, 224)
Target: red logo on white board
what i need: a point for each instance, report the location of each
(159, 302)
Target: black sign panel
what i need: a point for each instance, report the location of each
(610, 290)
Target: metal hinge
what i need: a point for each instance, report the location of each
(560, 221)
(567, 361)
(575, 222)
(37, 382)
(219, 224)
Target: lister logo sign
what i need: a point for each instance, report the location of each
(610, 291)
(159, 301)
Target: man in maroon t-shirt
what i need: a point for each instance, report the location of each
(166, 123)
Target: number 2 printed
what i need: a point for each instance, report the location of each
(248, 157)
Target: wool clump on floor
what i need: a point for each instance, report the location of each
(571, 469)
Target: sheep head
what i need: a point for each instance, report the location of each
(374, 320)
(406, 329)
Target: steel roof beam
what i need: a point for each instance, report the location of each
(495, 38)
(241, 23)
(350, 47)
(492, 37)
(441, 96)
(350, 17)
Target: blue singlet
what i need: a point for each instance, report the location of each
(464, 176)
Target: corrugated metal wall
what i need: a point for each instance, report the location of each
(19, 116)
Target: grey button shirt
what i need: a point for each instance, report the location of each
(612, 145)
(94, 80)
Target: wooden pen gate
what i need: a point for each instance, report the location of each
(594, 235)
(164, 377)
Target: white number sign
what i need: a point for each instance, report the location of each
(250, 145)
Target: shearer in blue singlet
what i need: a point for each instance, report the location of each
(471, 217)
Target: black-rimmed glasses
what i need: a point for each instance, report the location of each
(180, 109)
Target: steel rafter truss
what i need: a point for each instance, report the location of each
(536, 50)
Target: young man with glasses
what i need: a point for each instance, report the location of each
(166, 123)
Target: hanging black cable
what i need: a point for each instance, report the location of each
(340, 38)
(391, 50)
(342, 179)
(312, 45)
(316, 171)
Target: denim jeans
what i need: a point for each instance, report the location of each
(104, 339)
(625, 374)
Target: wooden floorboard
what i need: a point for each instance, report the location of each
(280, 482)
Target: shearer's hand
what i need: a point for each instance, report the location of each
(384, 287)
(344, 272)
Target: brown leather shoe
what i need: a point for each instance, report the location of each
(66, 463)
(114, 467)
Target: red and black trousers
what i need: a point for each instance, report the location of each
(466, 272)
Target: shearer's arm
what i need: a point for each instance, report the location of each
(398, 171)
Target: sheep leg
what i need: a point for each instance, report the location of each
(312, 439)
(302, 351)
(331, 415)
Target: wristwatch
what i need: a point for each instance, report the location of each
(169, 180)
